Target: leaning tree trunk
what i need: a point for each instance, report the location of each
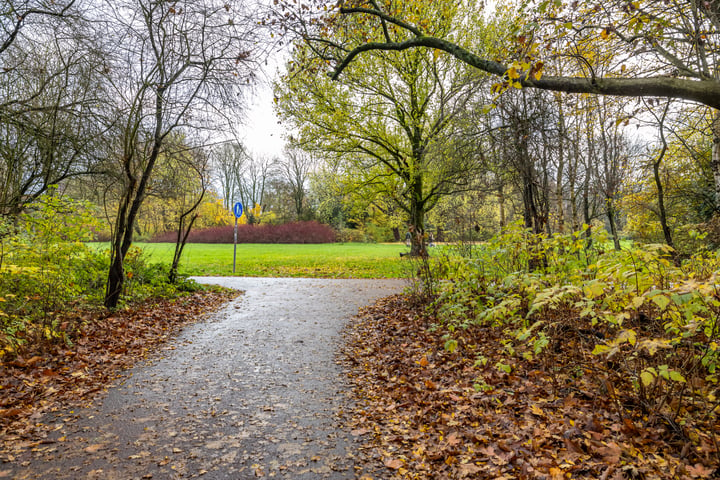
(182, 236)
(662, 214)
(184, 228)
(122, 240)
(127, 216)
(661, 201)
(120, 244)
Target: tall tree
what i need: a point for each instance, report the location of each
(675, 41)
(51, 100)
(295, 169)
(174, 62)
(388, 122)
(252, 184)
(229, 159)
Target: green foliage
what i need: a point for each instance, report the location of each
(351, 235)
(385, 124)
(45, 268)
(47, 272)
(655, 324)
(497, 282)
(146, 279)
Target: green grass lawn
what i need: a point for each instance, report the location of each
(333, 260)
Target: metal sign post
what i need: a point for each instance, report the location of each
(238, 210)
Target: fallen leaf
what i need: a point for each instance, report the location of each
(537, 410)
(394, 463)
(556, 474)
(10, 412)
(34, 360)
(468, 469)
(452, 439)
(611, 453)
(699, 471)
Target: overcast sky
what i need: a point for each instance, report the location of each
(260, 132)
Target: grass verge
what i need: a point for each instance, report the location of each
(329, 260)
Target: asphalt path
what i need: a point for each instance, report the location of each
(253, 391)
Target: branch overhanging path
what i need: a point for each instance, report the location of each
(705, 91)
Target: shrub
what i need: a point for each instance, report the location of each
(351, 235)
(45, 269)
(655, 326)
(377, 233)
(47, 272)
(296, 232)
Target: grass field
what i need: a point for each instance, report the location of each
(330, 260)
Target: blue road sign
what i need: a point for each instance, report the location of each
(238, 210)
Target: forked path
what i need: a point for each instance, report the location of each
(253, 391)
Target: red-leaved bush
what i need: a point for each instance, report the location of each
(296, 232)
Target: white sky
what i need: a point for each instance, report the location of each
(260, 131)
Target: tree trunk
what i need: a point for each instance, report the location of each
(609, 187)
(559, 200)
(586, 210)
(572, 174)
(545, 206)
(122, 243)
(586, 187)
(184, 232)
(531, 213)
(396, 234)
(612, 219)
(715, 160)
(662, 214)
(116, 274)
(182, 237)
(501, 203)
(417, 219)
(127, 215)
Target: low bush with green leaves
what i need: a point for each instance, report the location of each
(655, 326)
(47, 272)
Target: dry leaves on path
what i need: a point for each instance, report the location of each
(428, 413)
(49, 377)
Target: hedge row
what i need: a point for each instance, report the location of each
(296, 232)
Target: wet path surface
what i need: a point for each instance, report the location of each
(253, 391)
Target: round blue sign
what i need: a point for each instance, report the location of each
(238, 210)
